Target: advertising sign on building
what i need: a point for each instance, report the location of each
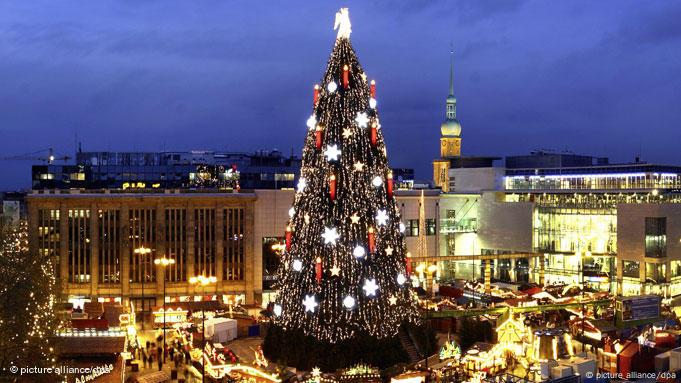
(638, 307)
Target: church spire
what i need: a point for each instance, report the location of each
(451, 100)
(451, 72)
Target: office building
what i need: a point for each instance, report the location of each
(96, 240)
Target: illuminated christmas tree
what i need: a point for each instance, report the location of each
(343, 274)
(27, 297)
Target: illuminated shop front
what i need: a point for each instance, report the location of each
(578, 241)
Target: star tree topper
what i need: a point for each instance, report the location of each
(342, 23)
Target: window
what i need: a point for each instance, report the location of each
(675, 269)
(656, 237)
(631, 269)
(451, 244)
(272, 248)
(431, 226)
(413, 228)
(655, 272)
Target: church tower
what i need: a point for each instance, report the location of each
(450, 137)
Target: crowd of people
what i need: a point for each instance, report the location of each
(154, 355)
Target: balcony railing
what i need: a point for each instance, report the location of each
(452, 225)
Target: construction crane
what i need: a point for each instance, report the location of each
(37, 156)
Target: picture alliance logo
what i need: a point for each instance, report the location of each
(95, 372)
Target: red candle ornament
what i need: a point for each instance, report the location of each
(315, 95)
(372, 240)
(318, 133)
(374, 133)
(288, 238)
(407, 266)
(318, 269)
(373, 89)
(346, 76)
(389, 185)
(332, 186)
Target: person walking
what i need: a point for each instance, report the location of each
(159, 351)
(144, 357)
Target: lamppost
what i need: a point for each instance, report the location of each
(203, 281)
(143, 251)
(164, 262)
(583, 286)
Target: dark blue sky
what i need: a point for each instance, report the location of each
(591, 77)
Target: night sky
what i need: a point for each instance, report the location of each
(592, 77)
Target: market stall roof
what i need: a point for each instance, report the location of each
(193, 306)
(89, 345)
(93, 309)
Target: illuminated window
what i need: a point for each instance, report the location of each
(413, 229)
(284, 176)
(675, 268)
(655, 272)
(431, 226)
(656, 237)
(631, 269)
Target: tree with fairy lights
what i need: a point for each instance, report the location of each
(27, 299)
(343, 279)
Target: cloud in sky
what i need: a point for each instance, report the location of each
(238, 75)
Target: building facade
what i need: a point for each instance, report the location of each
(161, 170)
(611, 225)
(96, 241)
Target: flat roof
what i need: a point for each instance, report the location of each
(596, 169)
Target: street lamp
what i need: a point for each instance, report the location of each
(164, 262)
(143, 251)
(203, 281)
(582, 256)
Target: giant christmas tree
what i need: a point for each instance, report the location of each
(343, 275)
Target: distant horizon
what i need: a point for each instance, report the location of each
(597, 79)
